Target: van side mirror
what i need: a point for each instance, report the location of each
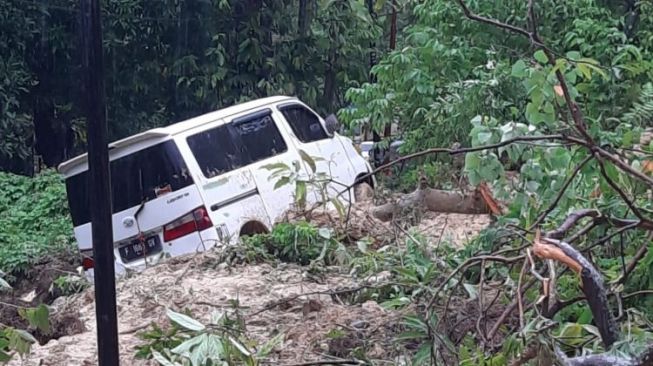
(332, 124)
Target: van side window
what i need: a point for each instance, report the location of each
(260, 136)
(215, 151)
(304, 123)
(244, 141)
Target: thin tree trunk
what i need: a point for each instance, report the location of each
(302, 18)
(387, 132)
(631, 18)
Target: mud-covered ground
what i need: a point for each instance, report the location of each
(284, 299)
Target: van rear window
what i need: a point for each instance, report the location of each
(244, 141)
(137, 177)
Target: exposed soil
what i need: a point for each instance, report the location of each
(306, 308)
(34, 288)
(270, 300)
(435, 227)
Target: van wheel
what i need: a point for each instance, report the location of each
(363, 192)
(253, 228)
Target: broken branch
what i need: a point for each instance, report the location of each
(592, 282)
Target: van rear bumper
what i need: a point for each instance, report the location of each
(192, 243)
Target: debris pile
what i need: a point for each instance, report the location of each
(273, 300)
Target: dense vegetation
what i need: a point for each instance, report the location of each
(571, 79)
(169, 60)
(34, 220)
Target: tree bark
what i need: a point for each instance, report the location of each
(433, 200)
(387, 132)
(631, 18)
(302, 18)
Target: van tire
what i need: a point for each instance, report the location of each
(363, 192)
(253, 228)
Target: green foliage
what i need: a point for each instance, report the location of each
(641, 113)
(34, 219)
(448, 71)
(301, 243)
(188, 342)
(14, 341)
(316, 182)
(69, 284)
(169, 60)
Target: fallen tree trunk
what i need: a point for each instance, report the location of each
(433, 200)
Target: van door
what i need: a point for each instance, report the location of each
(227, 182)
(261, 140)
(308, 134)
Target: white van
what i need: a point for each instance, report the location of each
(191, 185)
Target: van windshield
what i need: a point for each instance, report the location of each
(141, 176)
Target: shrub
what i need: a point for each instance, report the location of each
(34, 219)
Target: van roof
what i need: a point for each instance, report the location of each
(173, 129)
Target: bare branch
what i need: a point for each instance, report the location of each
(592, 282)
(619, 191)
(469, 14)
(624, 167)
(532, 20)
(641, 253)
(570, 221)
(608, 237)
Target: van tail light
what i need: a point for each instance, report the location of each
(197, 220)
(87, 259)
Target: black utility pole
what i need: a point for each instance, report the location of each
(99, 183)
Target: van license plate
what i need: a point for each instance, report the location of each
(138, 250)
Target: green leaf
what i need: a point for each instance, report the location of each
(595, 66)
(339, 207)
(519, 69)
(585, 71)
(591, 329)
(627, 138)
(541, 57)
(308, 160)
(472, 161)
(300, 193)
(158, 357)
(281, 182)
(362, 246)
(571, 333)
(38, 317)
(4, 357)
(324, 233)
(573, 55)
(19, 340)
(185, 347)
(243, 350)
(200, 354)
(266, 348)
(185, 321)
(471, 290)
(559, 66)
(484, 137)
(25, 335)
